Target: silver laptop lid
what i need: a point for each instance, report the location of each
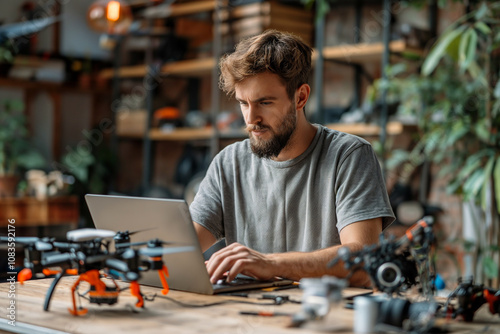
(165, 219)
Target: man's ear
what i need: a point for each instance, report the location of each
(302, 95)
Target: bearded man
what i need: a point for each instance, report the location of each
(291, 195)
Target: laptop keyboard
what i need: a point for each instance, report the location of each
(238, 281)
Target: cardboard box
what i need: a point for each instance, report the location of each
(131, 123)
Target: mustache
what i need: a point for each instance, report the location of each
(255, 127)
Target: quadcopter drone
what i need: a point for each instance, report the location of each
(469, 298)
(87, 254)
(394, 265)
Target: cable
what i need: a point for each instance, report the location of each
(216, 303)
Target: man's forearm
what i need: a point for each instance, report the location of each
(297, 265)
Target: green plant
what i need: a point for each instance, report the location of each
(93, 165)
(456, 99)
(6, 52)
(16, 150)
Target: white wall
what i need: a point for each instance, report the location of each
(77, 39)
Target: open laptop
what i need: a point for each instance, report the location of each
(168, 220)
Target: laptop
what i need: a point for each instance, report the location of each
(168, 220)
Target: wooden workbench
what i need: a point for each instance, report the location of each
(166, 316)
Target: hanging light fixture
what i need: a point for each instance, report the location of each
(111, 17)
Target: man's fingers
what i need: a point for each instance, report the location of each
(235, 259)
(225, 265)
(217, 258)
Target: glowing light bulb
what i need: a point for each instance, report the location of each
(110, 17)
(113, 11)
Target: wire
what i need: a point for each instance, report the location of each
(214, 304)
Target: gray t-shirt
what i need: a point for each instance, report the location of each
(295, 205)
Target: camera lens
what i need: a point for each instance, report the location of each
(389, 275)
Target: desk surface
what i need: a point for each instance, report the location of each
(162, 315)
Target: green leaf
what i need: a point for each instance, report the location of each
(458, 130)
(482, 27)
(440, 49)
(397, 157)
(473, 184)
(31, 160)
(496, 92)
(471, 51)
(481, 130)
(396, 69)
(463, 46)
(496, 177)
(487, 173)
(472, 163)
(476, 73)
(442, 3)
(481, 12)
(490, 267)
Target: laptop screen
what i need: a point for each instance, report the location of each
(153, 218)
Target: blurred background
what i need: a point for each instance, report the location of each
(121, 97)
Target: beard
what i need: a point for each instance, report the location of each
(280, 138)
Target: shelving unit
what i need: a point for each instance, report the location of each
(190, 68)
(355, 54)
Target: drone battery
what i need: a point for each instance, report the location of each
(110, 296)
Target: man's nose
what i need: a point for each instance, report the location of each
(252, 115)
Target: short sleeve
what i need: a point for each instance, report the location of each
(361, 192)
(206, 208)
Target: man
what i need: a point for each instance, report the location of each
(288, 197)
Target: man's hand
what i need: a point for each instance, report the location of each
(236, 259)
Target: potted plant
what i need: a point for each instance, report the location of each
(6, 57)
(456, 100)
(17, 153)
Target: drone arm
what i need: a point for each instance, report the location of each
(24, 275)
(135, 290)
(163, 273)
(51, 290)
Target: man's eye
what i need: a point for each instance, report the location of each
(265, 103)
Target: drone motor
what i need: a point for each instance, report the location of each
(389, 275)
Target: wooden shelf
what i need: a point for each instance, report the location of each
(187, 68)
(363, 52)
(366, 130)
(174, 10)
(351, 53)
(48, 86)
(185, 134)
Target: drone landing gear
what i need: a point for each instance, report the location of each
(24, 275)
(163, 273)
(99, 292)
(135, 290)
(52, 287)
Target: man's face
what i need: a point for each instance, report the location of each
(269, 114)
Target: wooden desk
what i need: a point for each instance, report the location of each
(164, 316)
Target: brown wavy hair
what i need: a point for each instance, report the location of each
(274, 51)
